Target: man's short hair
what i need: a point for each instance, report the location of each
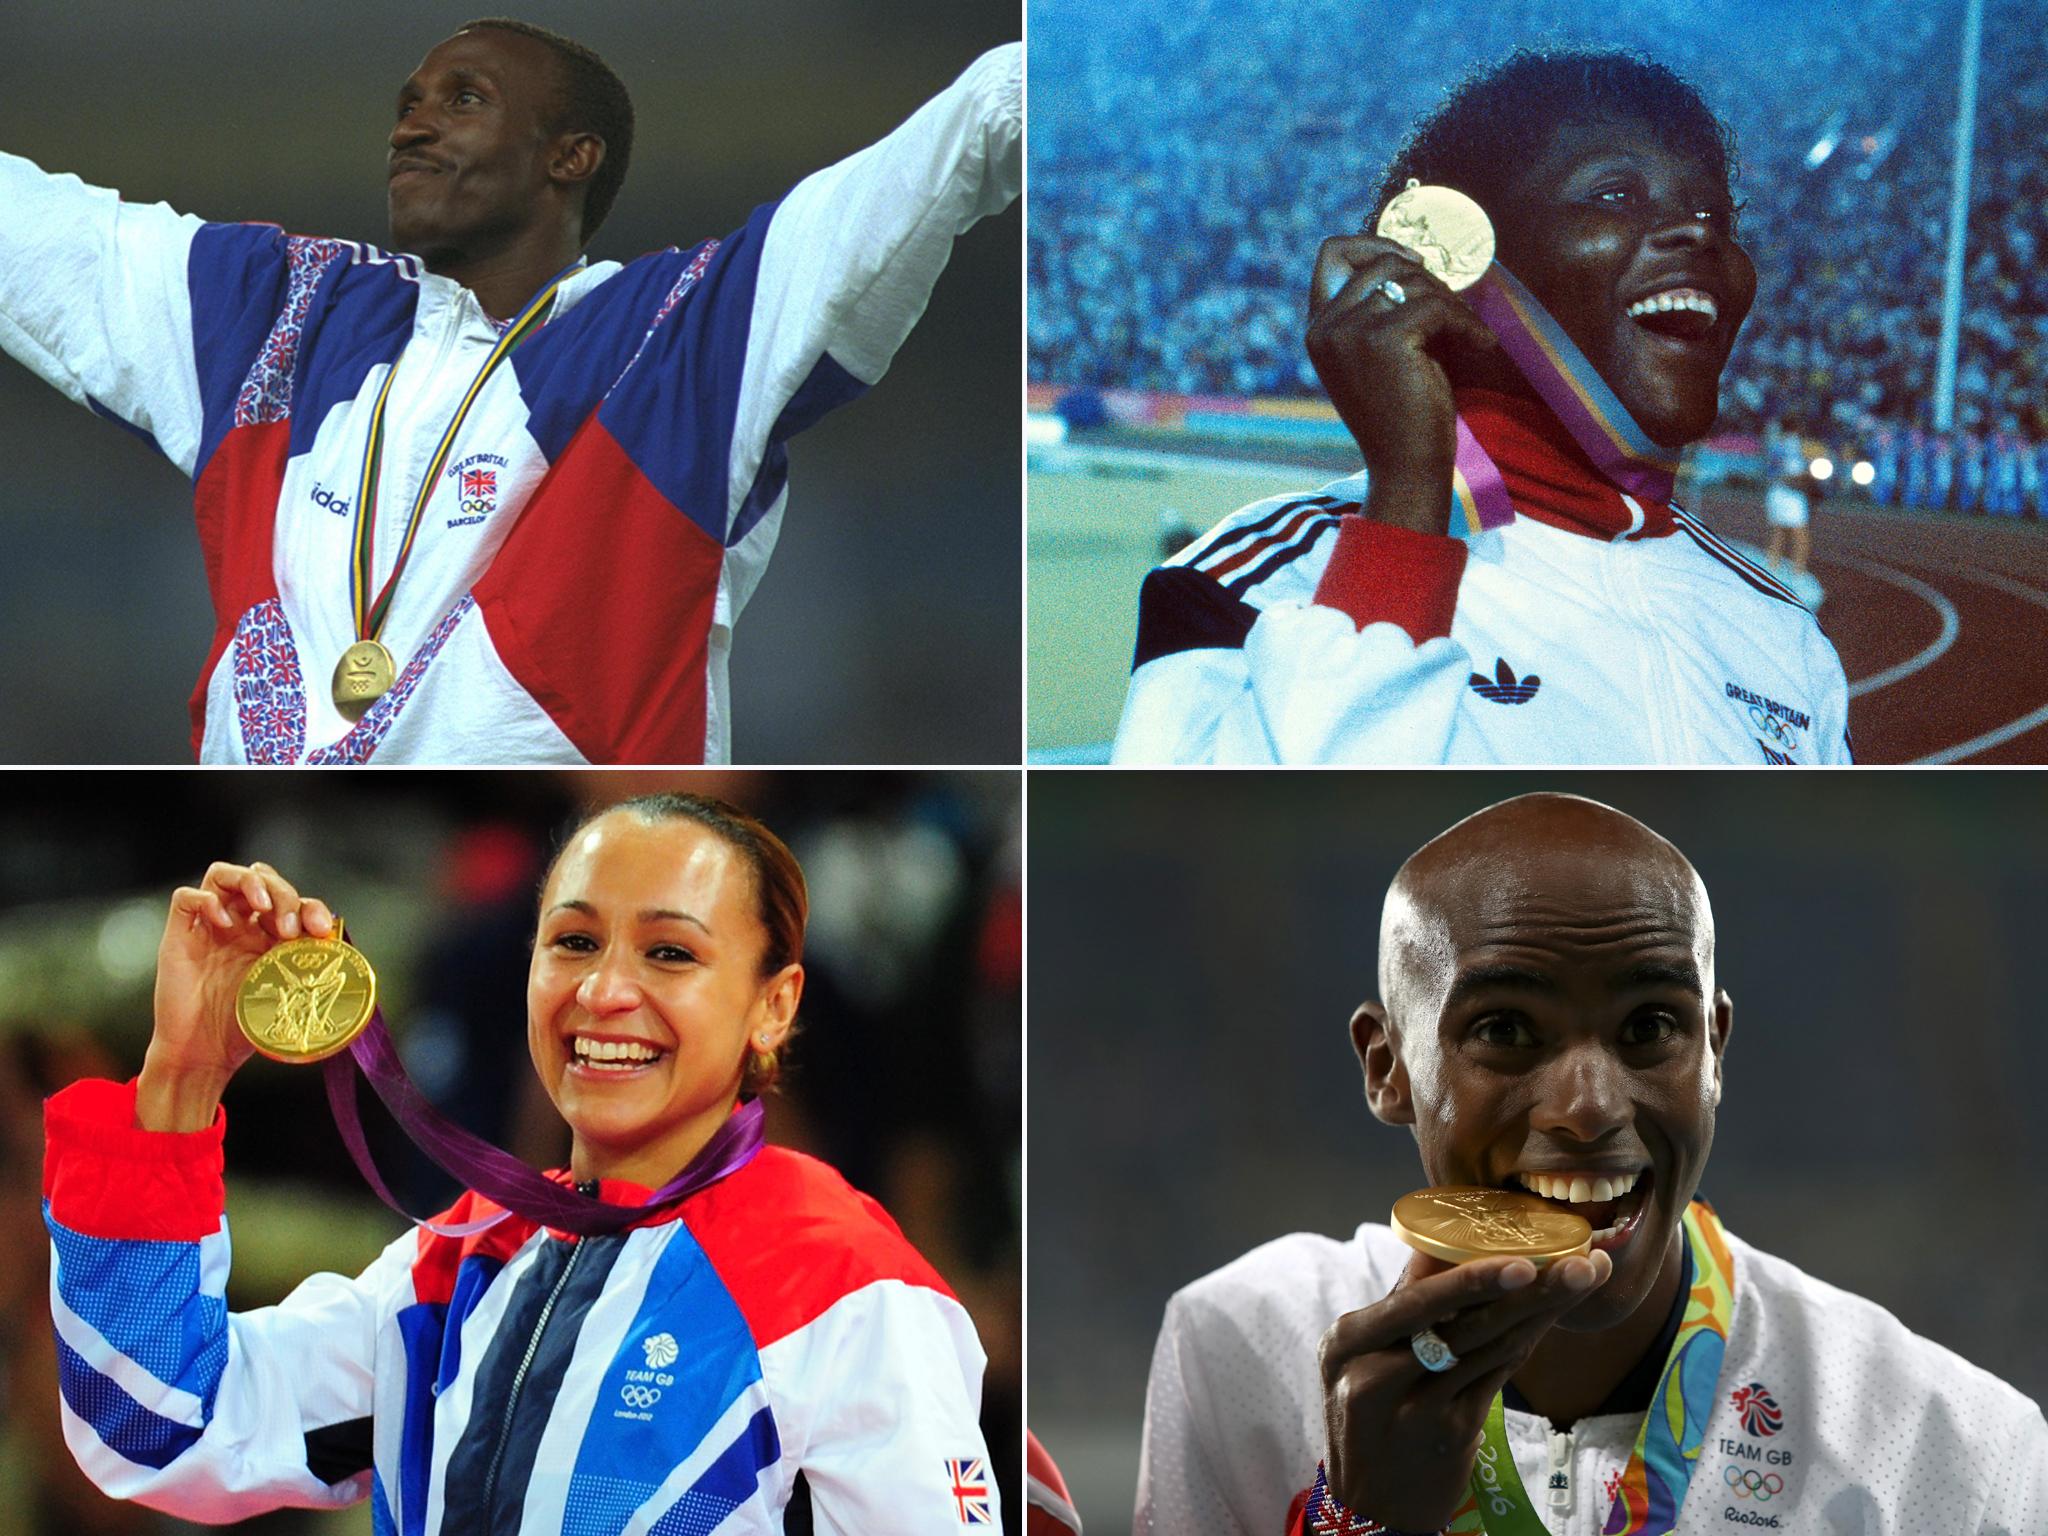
(1490, 123)
(593, 99)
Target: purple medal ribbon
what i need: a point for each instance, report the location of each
(1577, 396)
(496, 1174)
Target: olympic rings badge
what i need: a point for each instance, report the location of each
(1775, 728)
(637, 1396)
(1749, 1483)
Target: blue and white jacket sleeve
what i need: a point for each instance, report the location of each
(95, 299)
(891, 1376)
(1235, 666)
(168, 1399)
(851, 255)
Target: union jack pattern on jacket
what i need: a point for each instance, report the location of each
(581, 608)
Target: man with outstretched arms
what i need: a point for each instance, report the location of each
(1508, 581)
(1549, 1022)
(489, 501)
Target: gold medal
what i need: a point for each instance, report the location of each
(1462, 1222)
(305, 999)
(364, 675)
(1446, 229)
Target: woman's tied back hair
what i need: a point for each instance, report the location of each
(1494, 121)
(592, 99)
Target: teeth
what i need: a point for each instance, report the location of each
(1677, 298)
(1577, 1188)
(623, 1052)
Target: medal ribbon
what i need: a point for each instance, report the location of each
(369, 613)
(1576, 394)
(1667, 1448)
(496, 1174)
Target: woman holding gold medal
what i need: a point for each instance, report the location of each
(1534, 331)
(737, 1336)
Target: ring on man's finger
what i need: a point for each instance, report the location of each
(1392, 291)
(1430, 1349)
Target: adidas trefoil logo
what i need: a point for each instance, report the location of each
(1503, 687)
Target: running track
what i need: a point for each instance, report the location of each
(1942, 626)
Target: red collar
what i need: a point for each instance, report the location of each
(1548, 476)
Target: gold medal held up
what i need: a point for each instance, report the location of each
(364, 675)
(1445, 228)
(305, 999)
(1458, 1223)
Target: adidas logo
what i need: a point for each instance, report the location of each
(1503, 688)
(1774, 757)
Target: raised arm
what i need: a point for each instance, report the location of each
(849, 259)
(95, 299)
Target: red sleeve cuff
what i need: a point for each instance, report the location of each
(1382, 574)
(105, 1176)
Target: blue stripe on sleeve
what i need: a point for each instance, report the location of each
(727, 1483)
(238, 276)
(828, 387)
(128, 1428)
(144, 1299)
(651, 1418)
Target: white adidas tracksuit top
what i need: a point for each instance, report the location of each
(1297, 631)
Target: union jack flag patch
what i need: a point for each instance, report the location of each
(973, 1500)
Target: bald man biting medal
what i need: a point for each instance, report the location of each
(1558, 1336)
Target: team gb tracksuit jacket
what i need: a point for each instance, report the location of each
(1828, 1415)
(1590, 629)
(772, 1340)
(615, 491)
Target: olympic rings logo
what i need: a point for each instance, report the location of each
(1771, 725)
(1749, 1483)
(647, 1397)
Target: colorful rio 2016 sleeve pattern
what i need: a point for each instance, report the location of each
(663, 390)
(776, 1331)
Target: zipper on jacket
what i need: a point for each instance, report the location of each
(540, 1326)
(1560, 1480)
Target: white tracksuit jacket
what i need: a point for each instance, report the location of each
(771, 1344)
(1881, 1433)
(1296, 631)
(612, 499)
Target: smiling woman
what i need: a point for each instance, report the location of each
(1521, 441)
(769, 1347)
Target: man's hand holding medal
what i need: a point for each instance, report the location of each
(1407, 1381)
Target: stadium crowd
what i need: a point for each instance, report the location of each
(1188, 156)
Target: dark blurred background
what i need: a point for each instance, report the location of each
(886, 629)
(906, 1075)
(1198, 942)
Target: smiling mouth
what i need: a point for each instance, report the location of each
(613, 1058)
(1677, 314)
(1613, 1216)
